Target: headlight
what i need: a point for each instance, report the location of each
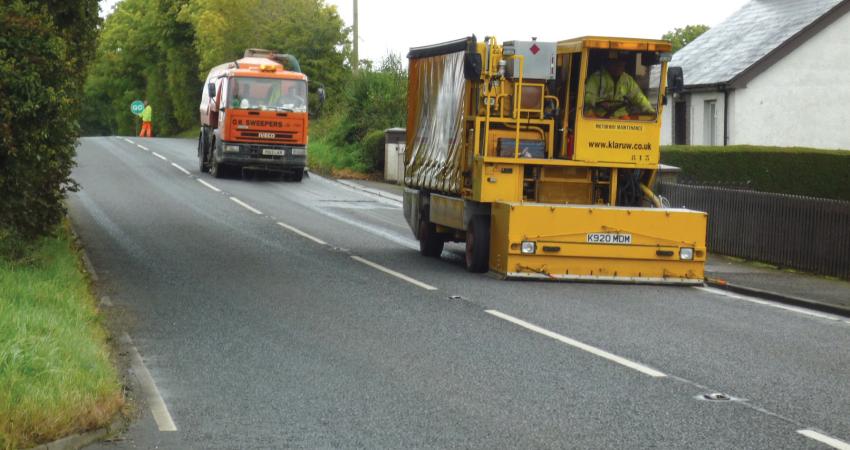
(231, 148)
(686, 254)
(528, 248)
(298, 151)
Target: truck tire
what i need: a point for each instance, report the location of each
(216, 169)
(203, 154)
(297, 176)
(478, 244)
(430, 242)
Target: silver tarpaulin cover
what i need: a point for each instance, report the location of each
(437, 99)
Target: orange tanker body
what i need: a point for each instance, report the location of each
(254, 116)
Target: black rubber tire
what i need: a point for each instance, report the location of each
(478, 244)
(203, 154)
(216, 169)
(296, 176)
(430, 242)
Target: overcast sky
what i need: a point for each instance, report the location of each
(396, 25)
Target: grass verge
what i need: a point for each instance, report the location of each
(191, 133)
(55, 369)
(329, 159)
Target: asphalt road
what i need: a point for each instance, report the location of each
(257, 336)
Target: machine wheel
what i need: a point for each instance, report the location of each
(430, 242)
(478, 244)
(203, 164)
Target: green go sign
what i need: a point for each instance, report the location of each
(137, 107)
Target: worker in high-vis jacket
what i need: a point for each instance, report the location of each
(612, 93)
(147, 116)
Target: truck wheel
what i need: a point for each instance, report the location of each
(430, 242)
(216, 169)
(203, 165)
(478, 244)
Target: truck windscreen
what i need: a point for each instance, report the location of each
(272, 94)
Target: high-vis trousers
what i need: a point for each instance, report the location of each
(146, 130)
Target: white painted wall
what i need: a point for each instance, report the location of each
(698, 119)
(667, 122)
(802, 100)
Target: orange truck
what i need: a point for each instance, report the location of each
(254, 116)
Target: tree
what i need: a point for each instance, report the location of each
(44, 50)
(681, 37)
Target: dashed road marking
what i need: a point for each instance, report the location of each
(158, 409)
(160, 156)
(181, 169)
(129, 141)
(299, 232)
(394, 273)
(824, 439)
(142, 147)
(579, 345)
(208, 185)
(246, 206)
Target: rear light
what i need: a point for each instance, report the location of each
(298, 151)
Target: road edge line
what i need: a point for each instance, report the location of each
(157, 405)
(778, 297)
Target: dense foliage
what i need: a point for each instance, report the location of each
(161, 50)
(44, 49)
(681, 37)
(352, 135)
(800, 171)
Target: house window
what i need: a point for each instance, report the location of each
(709, 120)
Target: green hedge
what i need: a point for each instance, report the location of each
(790, 170)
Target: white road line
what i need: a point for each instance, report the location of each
(246, 206)
(795, 309)
(157, 404)
(142, 147)
(160, 156)
(129, 141)
(297, 231)
(181, 169)
(824, 439)
(89, 267)
(208, 185)
(579, 345)
(394, 273)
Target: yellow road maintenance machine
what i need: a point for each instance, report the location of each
(533, 155)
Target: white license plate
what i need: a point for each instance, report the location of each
(273, 152)
(609, 238)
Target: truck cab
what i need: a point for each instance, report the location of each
(254, 117)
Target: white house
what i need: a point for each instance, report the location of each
(777, 73)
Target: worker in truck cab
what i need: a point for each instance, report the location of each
(610, 92)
